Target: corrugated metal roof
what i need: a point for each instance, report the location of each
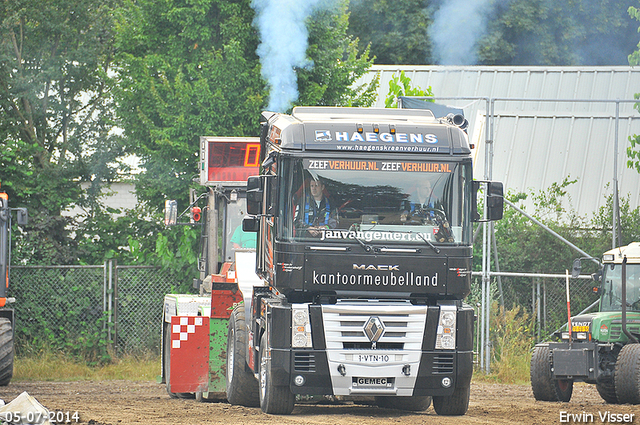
(538, 143)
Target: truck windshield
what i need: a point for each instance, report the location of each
(612, 288)
(377, 201)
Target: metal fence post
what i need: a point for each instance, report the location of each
(110, 302)
(115, 306)
(538, 318)
(544, 306)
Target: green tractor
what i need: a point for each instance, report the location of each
(599, 348)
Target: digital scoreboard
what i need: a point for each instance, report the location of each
(228, 160)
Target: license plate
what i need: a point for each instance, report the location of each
(373, 382)
(371, 358)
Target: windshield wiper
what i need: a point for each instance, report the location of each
(355, 227)
(428, 242)
(366, 247)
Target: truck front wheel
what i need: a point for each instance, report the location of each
(242, 386)
(273, 400)
(455, 405)
(627, 375)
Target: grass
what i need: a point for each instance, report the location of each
(512, 340)
(52, 366)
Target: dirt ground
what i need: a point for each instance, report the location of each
(127, 402)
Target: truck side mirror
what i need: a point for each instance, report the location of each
(494, 201)
(254, 195)
(23, 216)
(250, 224)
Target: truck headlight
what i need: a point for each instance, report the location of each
(446, 333)
(300, 327)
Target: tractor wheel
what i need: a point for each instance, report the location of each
(607, 391)
(627, 375)
(564, 389)
(454, 405)
(275, 400)
(6, 351)
(541, 378)
(242, 386)
(410, 404)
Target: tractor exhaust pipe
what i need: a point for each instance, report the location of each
(626, 331)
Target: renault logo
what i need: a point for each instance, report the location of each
(373, 329)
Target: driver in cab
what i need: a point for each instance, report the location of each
(314, 213)
(419, 205)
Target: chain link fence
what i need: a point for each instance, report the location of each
(83, 307)
(542, 296)
(68, 306)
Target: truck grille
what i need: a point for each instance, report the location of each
(403, 325)
(304, 362)
(442, 363)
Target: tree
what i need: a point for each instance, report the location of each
(633, 152)
(400, 85)
(337, 63)
(186, 69)
(56, 116)
(395, 30)
(547, 32)
(190, 69)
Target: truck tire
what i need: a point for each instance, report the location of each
(454, 405)
(541, 378)
(627, 375)
(273, 400)
(607, 391)
(242, 386)
(167, 365)
(410, 404)
(6, 351)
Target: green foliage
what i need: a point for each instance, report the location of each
(524, 246)
(633, 151)
(547, 32)
(395, 30)
(48, 364)
(337, 64)
(512, 338)
(186, 69)
(56, 114)
(634, 58)
(400, 85)
(62, 309)
(190, 69)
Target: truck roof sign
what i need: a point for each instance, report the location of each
(366, 130)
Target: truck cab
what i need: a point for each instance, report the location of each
(364, 246)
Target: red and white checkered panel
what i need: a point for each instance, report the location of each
(189, 354)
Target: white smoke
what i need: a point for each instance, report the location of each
(456, 28)
(283, 44)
